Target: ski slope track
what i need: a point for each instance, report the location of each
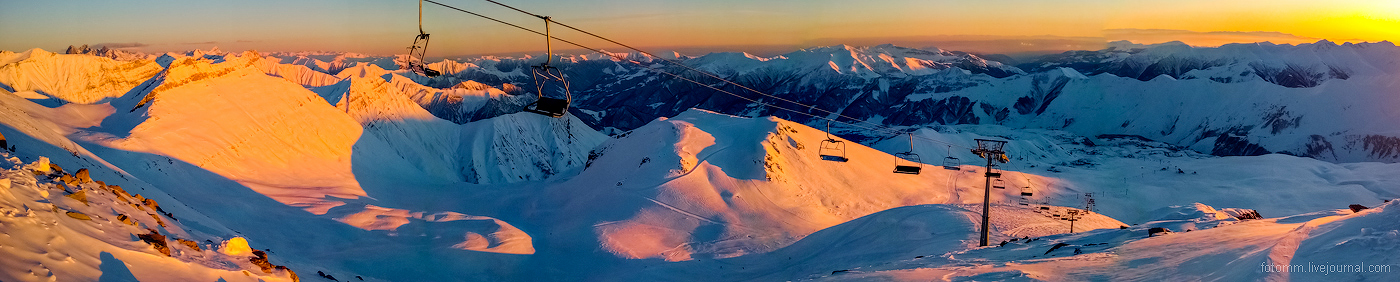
(208, 165)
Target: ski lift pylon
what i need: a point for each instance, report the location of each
(832, 149)
(416, 61)
(905, 167)
(550, 83)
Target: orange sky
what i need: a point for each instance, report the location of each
(387, 26)
(1339, 21)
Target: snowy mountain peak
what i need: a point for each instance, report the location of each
(75, 78)
(473, 85)
(112, 53)
(362, 70)
(702, 172)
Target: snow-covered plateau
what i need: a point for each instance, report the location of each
(1243, 162)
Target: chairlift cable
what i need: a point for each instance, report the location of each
(875, 127)
(711, 75)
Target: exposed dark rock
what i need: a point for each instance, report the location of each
(152, 203)
(1056, 247)
(324, 275)
(1381, 146)
(80, 195)
(192, 244)
(1288, 75)
(290, 273)
(155, 240)
(1338, 72)
(1318, 147)
(1248, 215)
(1175, 67)
(260, 259)
(1280, 118)
(82, 176)
(78, 215)
(953, 110)
(1230, 145)
(1357, 208)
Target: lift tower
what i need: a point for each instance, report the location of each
(992, 151)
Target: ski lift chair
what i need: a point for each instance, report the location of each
(549, 107)
(999, 184)
(832, 149)
(550, 83)
(908, 162)
(951, 162)
(419, 50)
(1027, 192)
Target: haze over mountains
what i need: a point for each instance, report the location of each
(341, 164)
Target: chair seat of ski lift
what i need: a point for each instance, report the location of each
(908, 162)
(832, 149)
(905, 169)
(550, 107)
(952, 163)
(423, 70)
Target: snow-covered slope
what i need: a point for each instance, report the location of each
(704, 184)
(392, 176)
(911, 232)
(461, 103)
(82, 79)
(77, 229)
(1328, 245)
(270, 134)
(1124, 172)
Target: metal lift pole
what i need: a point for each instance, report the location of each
(986, 202)
(991, 150)
(548, 51)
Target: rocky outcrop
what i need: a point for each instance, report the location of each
(107, 52)
(1231, 145)
(156, 241)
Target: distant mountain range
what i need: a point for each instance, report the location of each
(1320, 100)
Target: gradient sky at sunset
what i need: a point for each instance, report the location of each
(386, 26)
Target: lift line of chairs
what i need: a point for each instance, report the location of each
(555, 98)
(908, 162)
(550, 83)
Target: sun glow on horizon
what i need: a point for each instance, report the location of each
(380, 27)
